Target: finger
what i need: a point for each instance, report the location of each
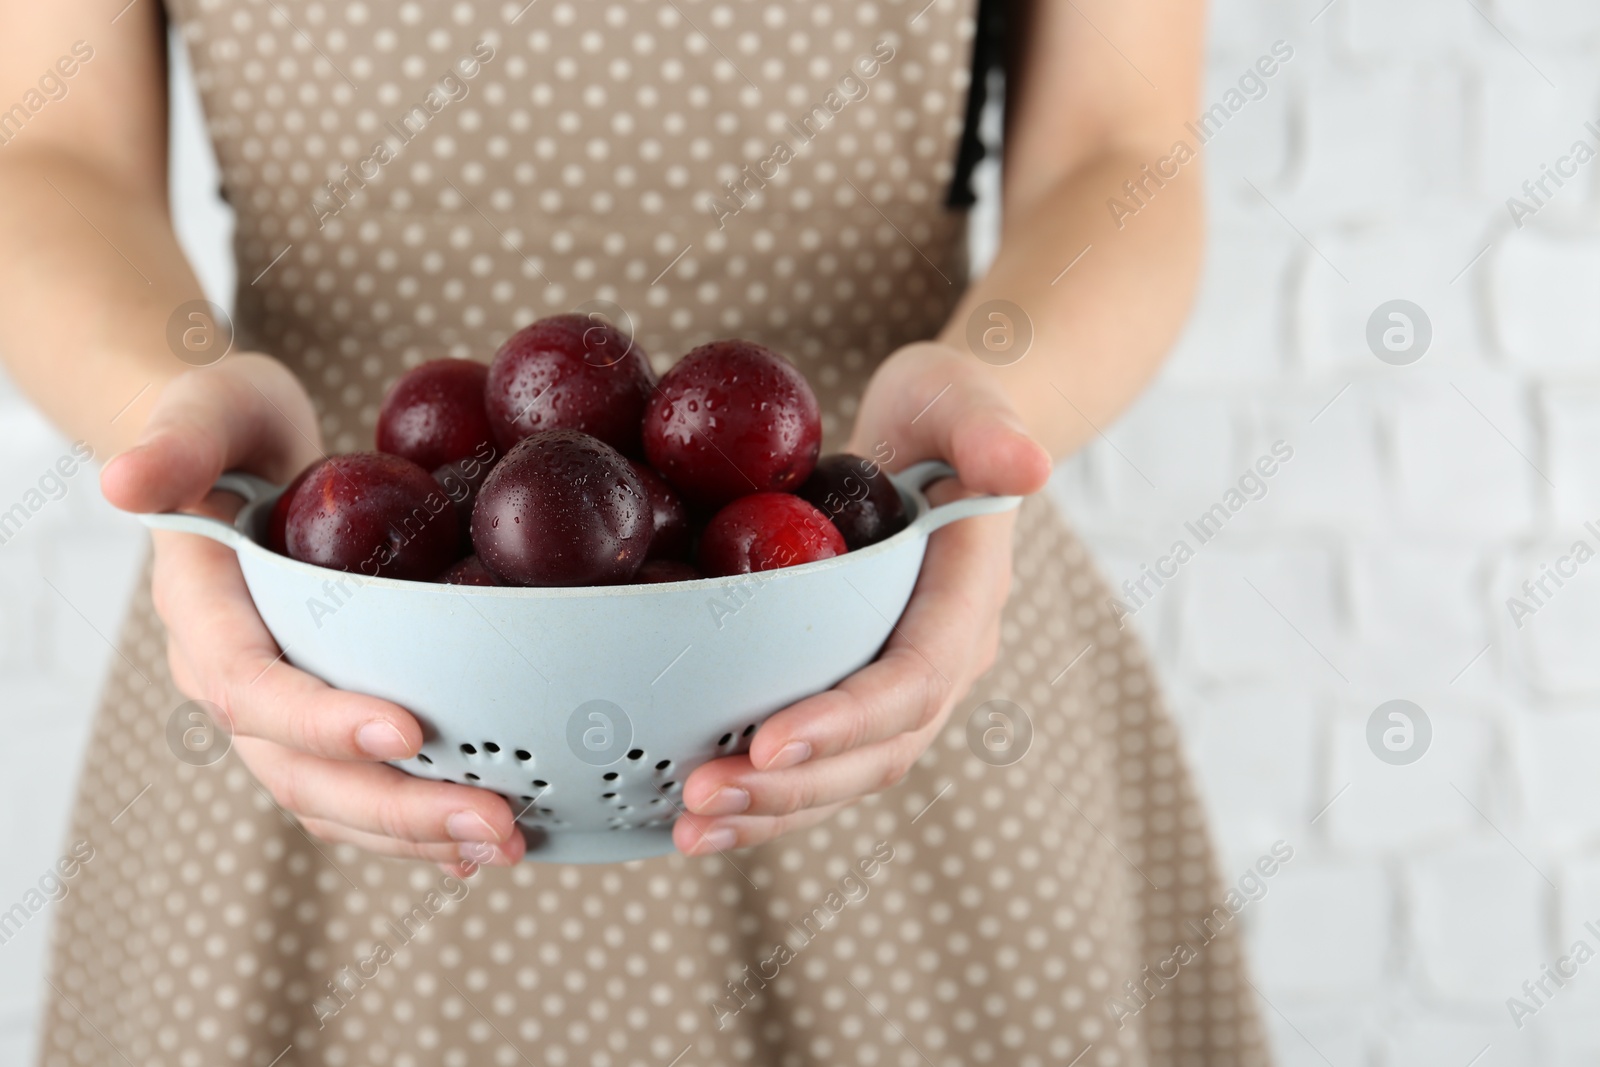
(233, 662)
(697, 835)
(956, 410)
(380, 800)
(732, 786)
(898, 692)
(942, 642)
(248, 412)
(452, 856)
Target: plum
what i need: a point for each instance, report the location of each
(732, 418)
(375, 513)
(562, 508)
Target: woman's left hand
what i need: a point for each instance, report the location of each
(927, 401)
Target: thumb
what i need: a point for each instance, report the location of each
(248, 414)
(985, 440)
(954, 410)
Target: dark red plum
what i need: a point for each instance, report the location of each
(657, 571)
(461, 481)
(569, 372)
(278, 521)
(469, 571)
(375, 514)
(732, 418)
(858, 498)
(670, 518)
(435, 413)
(562, 508)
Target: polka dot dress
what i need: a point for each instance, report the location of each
(416, 180)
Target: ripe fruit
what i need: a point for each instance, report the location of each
(569, 372)
(469, 571)
(765, 531)
(279, 519)
(732, 418)
(562, 508)
(461, 481)
(857, 497)
(435, 413)
(657, 571)
(374, 513)
(670, 518)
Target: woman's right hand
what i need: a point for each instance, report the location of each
(318, 751)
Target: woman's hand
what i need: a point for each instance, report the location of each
(927, 401)
(317, 750)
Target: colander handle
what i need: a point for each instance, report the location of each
(239, 483)
(921, 475)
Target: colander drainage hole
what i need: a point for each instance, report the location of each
(423, 756)
(637, 753)
(524, 755)
(656, 800)
(540, 783)
(663, 765)
(469, 750)
(610, 776)
(669, 787)
(490, 747)
(748, 730)
(473, 777)
(725, 739)
(608, 796)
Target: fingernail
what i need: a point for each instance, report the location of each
(383, 740)
(131, 450)
(789, 755)
(476, 852)
(729, 800)
(469, 826)
(718, 840)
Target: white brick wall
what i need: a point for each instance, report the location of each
(1417, 901)
(1340, 914)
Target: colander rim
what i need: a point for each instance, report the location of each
(910, 483)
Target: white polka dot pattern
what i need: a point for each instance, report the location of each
(1007, 904)
(580, 162)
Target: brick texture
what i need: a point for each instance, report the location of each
(1416, 503)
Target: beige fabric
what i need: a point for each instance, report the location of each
(973, 914)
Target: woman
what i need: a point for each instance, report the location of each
(538, 157)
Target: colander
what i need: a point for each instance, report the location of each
(586, 708)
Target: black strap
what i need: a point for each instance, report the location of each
(988, 54)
